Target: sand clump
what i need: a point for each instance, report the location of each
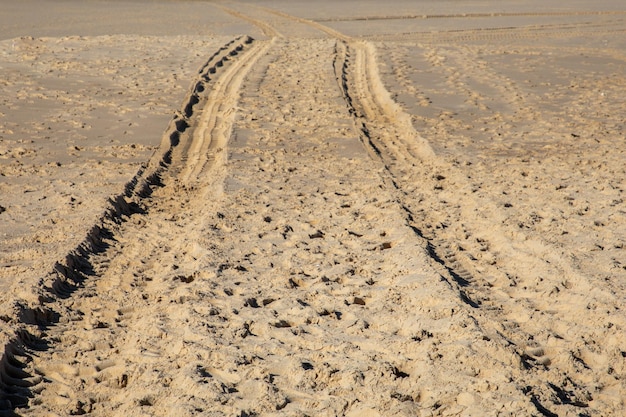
(337, 215)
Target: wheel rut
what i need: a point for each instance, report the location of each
(488, 275)
(439, 205)
(180, 235)
(186, 165)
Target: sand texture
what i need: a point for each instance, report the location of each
(256, 208)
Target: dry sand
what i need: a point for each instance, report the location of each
(268, 208)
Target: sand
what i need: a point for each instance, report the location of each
(268, 208)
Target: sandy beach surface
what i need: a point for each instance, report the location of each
(333, 208)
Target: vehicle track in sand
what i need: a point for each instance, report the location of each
(513, 281)
(135, 263)
(190, 147)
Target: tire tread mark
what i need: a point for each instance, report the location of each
(389, 131)
(29, 321)
(369, 105)
(268, 30)
(389, 135)
(205, 143)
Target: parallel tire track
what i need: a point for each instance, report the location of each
(388, 132)
(187, 150)
(499, 305)
(268, 30)
(193, 145)
(207, 144)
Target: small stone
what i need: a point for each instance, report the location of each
(359, 301)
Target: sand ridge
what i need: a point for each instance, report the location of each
(322, 250)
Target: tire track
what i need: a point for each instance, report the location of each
(388, 131)
(375, 114)
(268, 30)
(434, 198)
(510, 295)
(444, 218)
(210, 135)
(126, 229)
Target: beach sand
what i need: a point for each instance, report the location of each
(272, 208)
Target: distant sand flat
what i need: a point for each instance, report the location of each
(340, 208)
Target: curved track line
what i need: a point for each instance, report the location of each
(333, 33)
(209, 139)
(500, 305)
(267, 30)
(378, 105)
(92, 258)
(408, 158)
(391, 139)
